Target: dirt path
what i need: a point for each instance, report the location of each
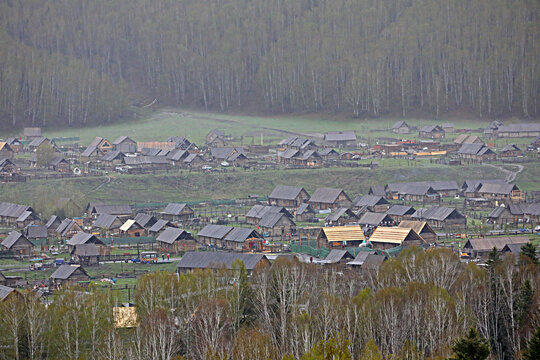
(107, 180)
(510, 175)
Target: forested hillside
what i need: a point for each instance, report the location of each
(76, 62)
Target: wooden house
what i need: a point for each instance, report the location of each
(91, 153)
(242, 239)
(367, 261)
(441, 217)
(16, 215)
(329, 154)
(422, 228)
(102, 144)
(177, 212)
(504, 192)
(67, 275)
(371, 220)
(42, 141)
(519, 130)
(159, 226)
(504, 215)
(470, 187)
(298, 143)
(175, 240)
(31, 133)
(401, 127)
(83, 238)
(416, 191)
(180, 142)
(130, 228)
(372, 202)
(341, 216)
(400, 212)
(340, 236)
(388, 237)
(431, 132)
(109, 224)
(476, 152)
(67, 229)
(86, 254)
(124, 145)
(329, 198)
(59, 164)
(18, 245)
(340, 139)
(288, 196)
(34, 232)
(52, 224)
(287, 156)
(147, 162)
(215, 138)
(7, 168)
(146, 221)
(256, 213)
(277, 225)
(308, 158)
(336, 257)
(7, 293)
(448, 127)
(482, 246)
(15, 144)
(6, 151)
(510, 150)
(113, 158)
(193, 161)
(378, 190)
(221, 260)
(467, 139)
(211, 234)
(305, 212)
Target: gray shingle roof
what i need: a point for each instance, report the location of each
(377, 190)
(145, 160)
(89, 151)
(336, 255)
(223, 153)
(503, 189)
(367, 260)
(399, 124)
(216, 260)
(431, 128)
(258, 211)
(288, 154)
(36, 232)
(177, 154)
(215, 231)
(144, 219)
(439, 213)
(83, 238)
(170, 235)
(325, 195)
(335, 216)
(305, 208)
(241, 235)
(105, 221)
(369, 200)
(498, 211)
(340, 136)
(530, 127)
(175, 208)
(65, 271)
(488, 243)
(5, 291)
(269, 220)
(12, 238)
(400, 210)
(510, 147)
(65, 226)
(373, 219)
(285, 192)
(159, 225)
(113, 155)
(51, 221)
(13, 210)
(121, 139)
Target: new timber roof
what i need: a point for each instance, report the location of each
(344, 233)
(393, 235)
(417, 226)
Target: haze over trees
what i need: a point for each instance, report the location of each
(70, 62)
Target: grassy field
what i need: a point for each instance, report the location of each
(195, 125)
(184, 186)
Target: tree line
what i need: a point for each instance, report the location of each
(420, 305)
(80, 62)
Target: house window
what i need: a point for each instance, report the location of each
(137, 234)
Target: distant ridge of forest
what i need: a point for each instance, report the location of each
(82, 62)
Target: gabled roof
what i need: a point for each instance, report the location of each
(113, 155)
(531, 209)
(242, 234)
(258, 211)
(400, 210)
(121, 139)
(418, 226)
(4, 146)
(326, 195)
(25, 215)
(177, 154)
(86, 250)
(512, 248)
(335, 216)
(269, 220)
(4, 162)
(399, 124)
(215, 231)
(150, 151)
(13, 141)
(367, 260)
(40, 140)
(223, 153)
(439, 213)
(84, 238)
(488, 243)
(503, 189)
(57, 160)
(13, 210)
(170, 235)
(393, 235)
(308, 154)
(431, 128)
(51, 221)
(179, 141)
(340, 136)
(128, 224)
(105, 221)
(145, 160)
(344, 233)
(288, 154)
(13, 237)
(474, 149)
(36, 231)
(191, 157)
(475, 184)
(305, 208)
(89, 151)
(530, 127)
(336, 255)
(176, 209)
(498, 211)
(144, 219)
(377, 190)
(98, 140)
(510, 147)
(374, 219)
(369, 200)
(65, 226)
(158, 226)
(65, 271)
(284, 192)
(217, 260)
(327, 151)
(5, 291)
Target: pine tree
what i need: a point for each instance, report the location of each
(528, 251)
(524, 301)
(470, 347)
(533, 347)
(493, 258)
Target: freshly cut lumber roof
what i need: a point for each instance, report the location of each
(393, 235)
(344, 233)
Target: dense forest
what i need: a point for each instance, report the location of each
(420, 305)
(66, 62)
